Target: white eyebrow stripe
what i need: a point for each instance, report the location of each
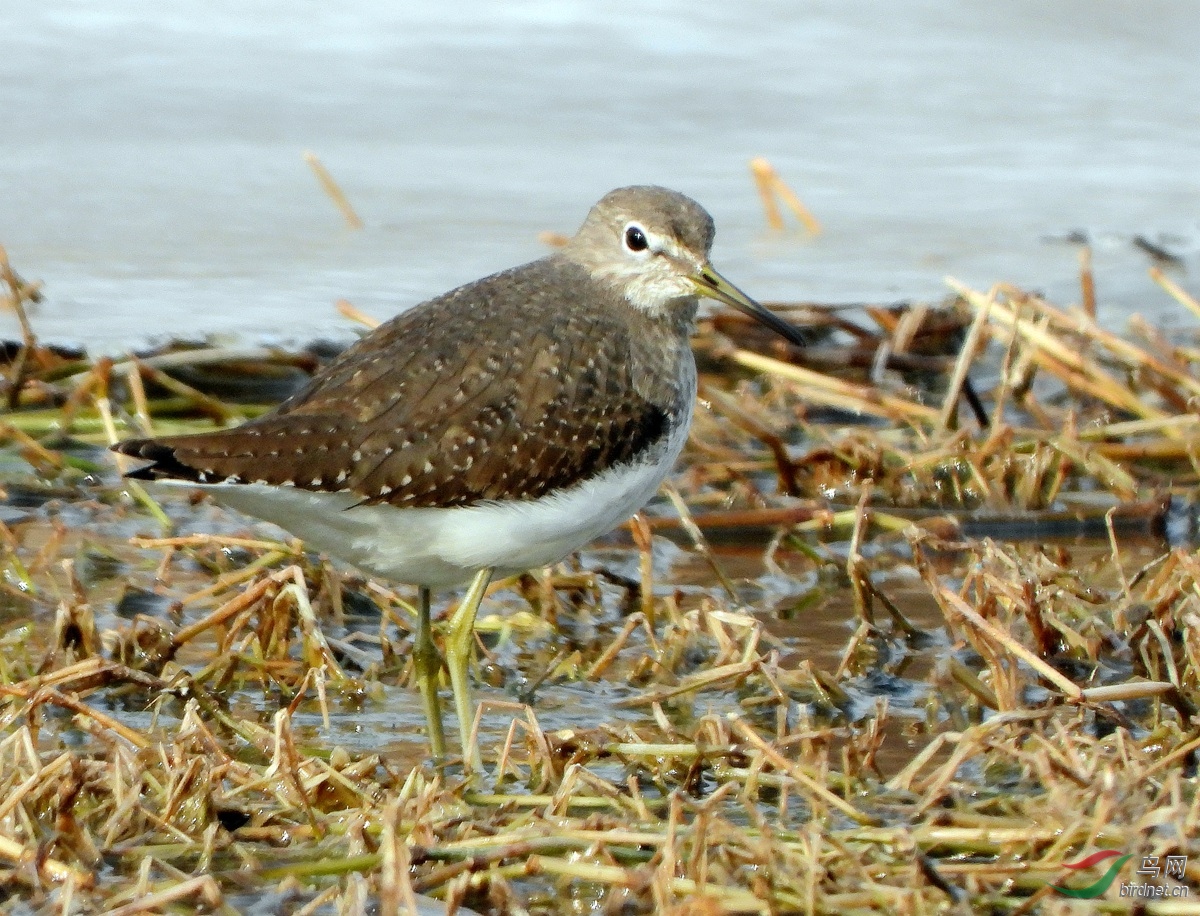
(664, 244)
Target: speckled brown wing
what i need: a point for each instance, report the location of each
(505, 389)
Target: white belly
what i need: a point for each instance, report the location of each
(442, 547)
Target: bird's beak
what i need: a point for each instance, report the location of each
(712, 285)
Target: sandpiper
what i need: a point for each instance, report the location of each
(492, 430)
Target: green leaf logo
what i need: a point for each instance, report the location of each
(1093, 891)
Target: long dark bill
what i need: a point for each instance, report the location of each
(712, 285)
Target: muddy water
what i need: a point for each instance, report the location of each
(807, 610)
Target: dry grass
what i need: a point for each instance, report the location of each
(982, 713)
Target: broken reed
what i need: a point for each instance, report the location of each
(1076, 406)
(1057, 718)
(794, 788)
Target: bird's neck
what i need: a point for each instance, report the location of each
(660, 296)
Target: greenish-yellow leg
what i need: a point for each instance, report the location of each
(428, 665)
(459, 641)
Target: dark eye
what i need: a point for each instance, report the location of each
(635, 239)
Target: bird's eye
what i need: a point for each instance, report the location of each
(635, 238)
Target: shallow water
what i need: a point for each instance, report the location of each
(808, 616)
(152, 172)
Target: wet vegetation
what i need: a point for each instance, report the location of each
(915, 625)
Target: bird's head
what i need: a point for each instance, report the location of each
(653, 245)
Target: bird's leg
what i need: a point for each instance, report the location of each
(428, 665)
(458, 659)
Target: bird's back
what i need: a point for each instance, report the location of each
(506, 389)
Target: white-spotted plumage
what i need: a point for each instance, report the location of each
(444, 547)
(492, 430)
